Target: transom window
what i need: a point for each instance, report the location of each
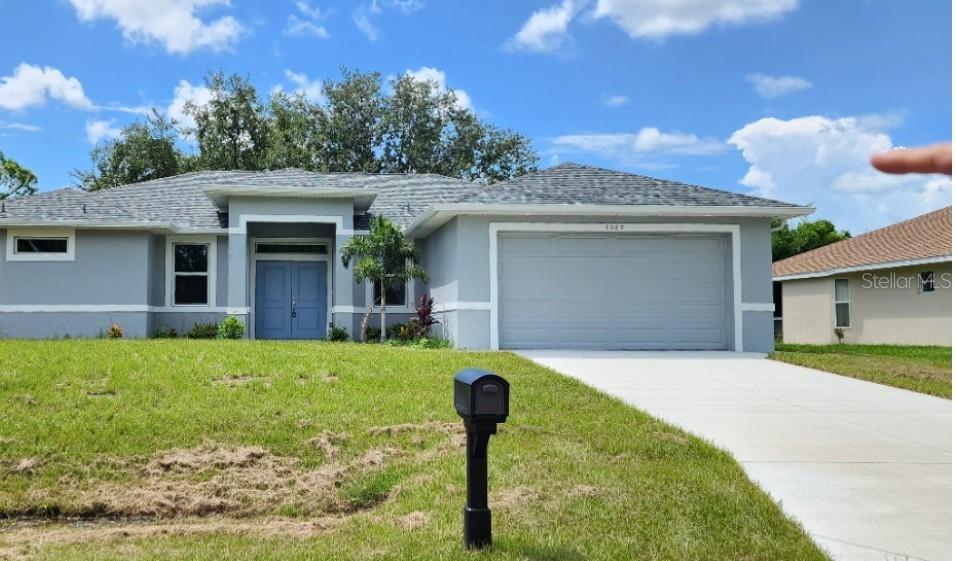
(190, 274)
(841, 302)
(927, 281)
(292, 247)
(40, 245)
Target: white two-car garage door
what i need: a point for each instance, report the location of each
(613, 291)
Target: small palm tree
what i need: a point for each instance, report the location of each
(385, 256)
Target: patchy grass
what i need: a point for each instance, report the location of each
(241, 450)
(921, 369)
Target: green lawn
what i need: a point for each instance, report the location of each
(921, 369)
(242, 450)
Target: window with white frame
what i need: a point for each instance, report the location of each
(192, 263)
(841, 302)
(40, 245)
(927, 282)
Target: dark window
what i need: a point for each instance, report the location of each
(192, 289)
(778, 299)
(191, 274)
(192, 258)
(927, 281)
(394, 296)
(41, 245)
(320, 248)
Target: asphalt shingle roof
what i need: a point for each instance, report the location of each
(576, 184)
(923, 237)
(181, 201)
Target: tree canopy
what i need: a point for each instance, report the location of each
(357, 125)
(384, 256)
(807, 235)
(15, 180)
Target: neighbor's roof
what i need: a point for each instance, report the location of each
(576, 184)
(921, 239)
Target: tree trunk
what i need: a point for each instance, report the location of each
(363, 336)
(382, 317)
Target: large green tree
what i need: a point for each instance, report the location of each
(358, 125)
(807, 235)
(15, 180)
(386, 257)
(232, 127)
(144, 150)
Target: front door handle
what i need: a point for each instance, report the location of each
(293, 307)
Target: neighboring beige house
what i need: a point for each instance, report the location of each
(892, 285)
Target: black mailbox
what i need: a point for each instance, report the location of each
(481, 396)
(481, 399)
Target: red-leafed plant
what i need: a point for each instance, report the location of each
(424, 318)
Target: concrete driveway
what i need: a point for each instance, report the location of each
(865, 468)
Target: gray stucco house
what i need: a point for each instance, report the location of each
(567, 257)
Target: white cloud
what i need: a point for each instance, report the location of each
(649, 148)
(546, 29)
(770, 87)
(649, 141)
(430, 74)
(311, 25)
(659, 19)
(171, 23)
(408, 6)
(183, 92)
(101, 130)
(825, 161)
(31, 86)
(310, 89)
(25, 127)
(362, 16)
(615, 100)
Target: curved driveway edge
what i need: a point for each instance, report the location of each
(865, 468)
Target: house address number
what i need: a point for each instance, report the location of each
(614, 227)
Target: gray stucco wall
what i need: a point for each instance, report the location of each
(457, 258)
(110, 267)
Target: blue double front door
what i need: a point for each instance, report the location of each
(291, 300)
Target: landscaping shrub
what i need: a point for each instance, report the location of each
(420, 343)
(165, 333)
(231, 328)
(203, 330)
(372, 334)
(115, 332)
(423, 320)
(401, 331)
(337, 334)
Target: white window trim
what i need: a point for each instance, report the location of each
(847, 302)
(254, 258)
(495, 228)
(171, 241)
(69, 234)
(409, 306)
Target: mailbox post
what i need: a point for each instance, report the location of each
(481, 399)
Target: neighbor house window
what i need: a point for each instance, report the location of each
(841, 300)
(192, 266)
(40, 245)
(927, 281)
(394, 296)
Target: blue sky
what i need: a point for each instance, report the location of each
(783, 98)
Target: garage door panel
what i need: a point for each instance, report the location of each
(597, 291)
